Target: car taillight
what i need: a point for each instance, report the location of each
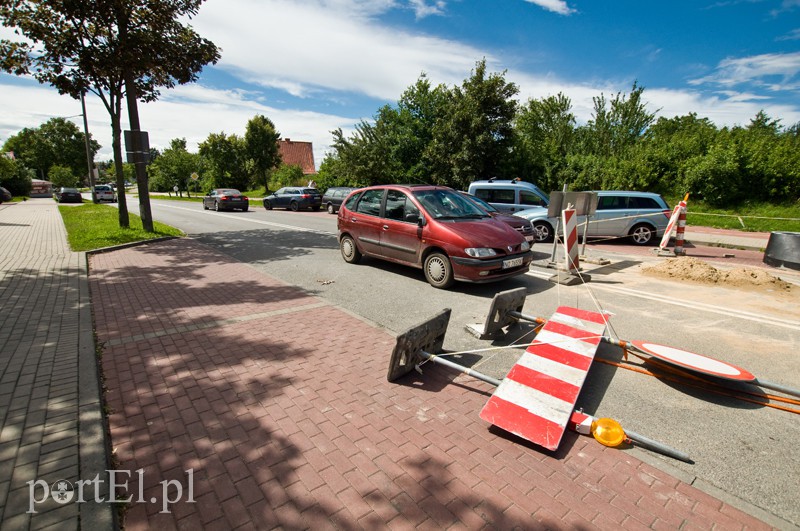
(667, 213)
(224, 197)
(305, 196)
(245, 198)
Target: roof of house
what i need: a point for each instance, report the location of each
(298, 153)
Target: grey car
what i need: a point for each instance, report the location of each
(294, 198)
(334, 196)
(641, 217)
(226, 199)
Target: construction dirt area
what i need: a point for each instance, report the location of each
(696, 270)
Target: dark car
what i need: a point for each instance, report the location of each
(294, 198)
(68, 195)
(226, 199)
(433, 228)
(335, 196)
(5, 195)
(525, 228)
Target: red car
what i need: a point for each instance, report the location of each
(434, 228)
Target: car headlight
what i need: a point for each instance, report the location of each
(525, 246)
(480, 252)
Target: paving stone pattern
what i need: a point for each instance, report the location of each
(45, 307)
(277, 405)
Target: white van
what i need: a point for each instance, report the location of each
(509, 195)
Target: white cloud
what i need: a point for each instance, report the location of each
(758, 69)
(724, 108)
(310, 47)
(556, 6)
(422, 9)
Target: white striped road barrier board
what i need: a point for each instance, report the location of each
(536, 399)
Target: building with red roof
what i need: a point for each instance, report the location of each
(298, 154)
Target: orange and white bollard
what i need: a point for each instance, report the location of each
(677, 222)
(571, 274)
(681, 228)
(570, 220)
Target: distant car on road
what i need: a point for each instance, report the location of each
(640, 216)
(226, 199)
(335, 196)
(104, 192)
(68, 195)
(294, 198)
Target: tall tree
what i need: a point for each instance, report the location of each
(545, 130)
(409, 128)
(225, 159)
(173, 167)
(616, 127)
(57, 141)
(261, 148)
(112, 48)
(475, 135)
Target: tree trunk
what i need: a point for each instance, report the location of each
(116, 132)
(140, 162)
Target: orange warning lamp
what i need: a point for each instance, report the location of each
(608, 432)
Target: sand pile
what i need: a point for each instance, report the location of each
(694, 270)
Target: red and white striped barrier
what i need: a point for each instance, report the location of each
(677, 222)
(537, 398)
(570, 220)
(679, 231)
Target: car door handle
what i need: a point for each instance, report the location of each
(386, 227)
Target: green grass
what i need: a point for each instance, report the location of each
(751, 217)
(92, 226)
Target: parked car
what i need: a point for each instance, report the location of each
(5, 195)
(640, 216)
(335, 196)
(294, 198)
(434, 228)
(104, 192)
(68, 195)
(226, 199)
(525, 227)
(509, 195)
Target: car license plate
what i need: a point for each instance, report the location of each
(528, 238)
(514, 262)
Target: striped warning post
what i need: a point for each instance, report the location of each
(677, 219)
(570, 221)
(681, 229)
(673, 220)
(537, 398)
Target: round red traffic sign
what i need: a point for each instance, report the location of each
(694, 362)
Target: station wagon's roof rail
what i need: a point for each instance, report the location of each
(496, 180)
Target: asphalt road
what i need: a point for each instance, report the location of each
(740, 449)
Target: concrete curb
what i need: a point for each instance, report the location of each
(94, 442)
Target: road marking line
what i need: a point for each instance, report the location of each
(258, 221)
(741, 314)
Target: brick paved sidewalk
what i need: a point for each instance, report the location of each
(276, 404)
(52, 424)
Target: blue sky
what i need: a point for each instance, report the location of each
(314, 65)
